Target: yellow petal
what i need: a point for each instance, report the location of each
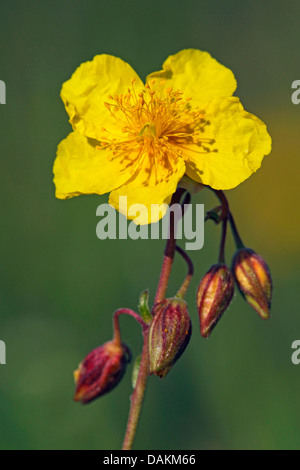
(241, 141)
(89, 88)
(147, 189)
(81, 168)
(197, 75)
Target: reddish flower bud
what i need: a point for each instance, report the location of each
(100, 371)
(254, 281)
(169, 335)
(214, 295)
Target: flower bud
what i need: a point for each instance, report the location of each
(254, 281)
(100, 371)
(214, 295)
(169, 335)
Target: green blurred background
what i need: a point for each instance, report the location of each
(59, 284)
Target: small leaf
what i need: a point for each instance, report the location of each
(215, 214)
(135, 371)
(144, 307)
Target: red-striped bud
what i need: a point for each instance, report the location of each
(169, 335)
(100, 371)
(254, 281)
(214, 295)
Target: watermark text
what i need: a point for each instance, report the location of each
(2, 92)
(296, 354)
(296, 94)
(190, 227)
(2, 352)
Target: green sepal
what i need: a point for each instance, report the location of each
(135, 371)
(215, 214)
(144, 307)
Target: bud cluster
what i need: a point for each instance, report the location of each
(252, 276)
(167, 326)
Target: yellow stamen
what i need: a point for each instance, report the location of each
(159, 123)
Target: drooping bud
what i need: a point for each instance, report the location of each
(214, 295)
(100, 371)
(169, 335)
(254, 281)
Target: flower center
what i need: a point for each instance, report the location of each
(147, 131)
(157, 123)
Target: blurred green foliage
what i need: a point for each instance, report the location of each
(59, 284)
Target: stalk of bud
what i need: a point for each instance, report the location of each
(169, 335)
(254, 281)
(100, 371)
(214, 295)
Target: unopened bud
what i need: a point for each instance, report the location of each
(169, 335)
(100, 371)
(254, 281)
(214, 295)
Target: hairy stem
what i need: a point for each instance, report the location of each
(137, 396)
(169, 252)
(116, 325)
(182, 291)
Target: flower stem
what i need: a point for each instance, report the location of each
(182, 291)
(137, 396)
(223, 239)
(225, 206)
(236, 235)
(140, 387)
(226, 214)
(224, 217)
(116, 325)
(169, 253)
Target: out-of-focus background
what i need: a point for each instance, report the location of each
(59, 284)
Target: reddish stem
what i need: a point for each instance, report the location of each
(182, 291)
(116, 325)
(137, 396)
(169, 253)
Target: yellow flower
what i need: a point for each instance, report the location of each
(138, 140)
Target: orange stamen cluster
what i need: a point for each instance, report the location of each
(158, 123)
